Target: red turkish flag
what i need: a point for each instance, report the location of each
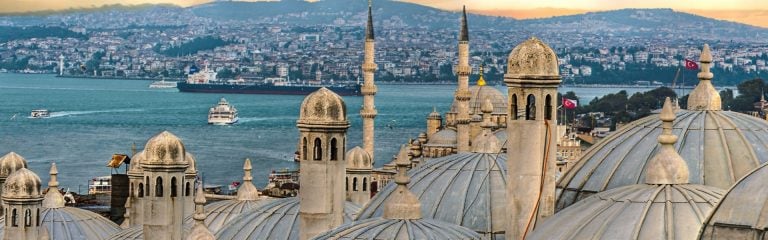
(569, 103)
(691, 65)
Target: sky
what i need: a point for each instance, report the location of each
(754, 12)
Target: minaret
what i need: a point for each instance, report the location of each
(164, 165)
(23, 201)
(667, 166)
(462, 94)
(199, 230)
(704, 96)
(323, 135)
(532, 79)
(61, 65)
(368, 113)
(434, 122)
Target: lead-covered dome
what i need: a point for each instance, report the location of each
(11, 162)
(640, 211)
(532, 58)
(719, 148)
(221, 213)
(478, 96)
(278, 219)
(358, 158)
(741, 212)
(75, 223)
(466, 189)
(385, 229)
(323, 106)
(443, 138)
(22, 184)
(164, 149)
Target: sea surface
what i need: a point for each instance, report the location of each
(92, 119)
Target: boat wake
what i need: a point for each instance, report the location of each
(260, 119)
(74, 113)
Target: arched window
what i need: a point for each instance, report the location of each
(318, 150)
(530, 108)
(27, 218)
(186, 189)
(149, 193)
(365, 184)
(304, 149)
(141, 190)
(159, 187)
(334, 150)
(513, 106)
(354, 184)
(130, 192)
(173, 187)
(38, 218)
(548, 108)
(14, 218)
(346, 181)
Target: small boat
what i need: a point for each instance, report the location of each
(222, 113)
(100, 185)
(39, 113)
(163, 84)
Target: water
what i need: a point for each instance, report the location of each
(93, 119)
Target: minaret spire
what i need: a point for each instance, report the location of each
(462, 94)
(464, 34)
(369, 27)
(667, 167)
(368, 90)
(704, 96)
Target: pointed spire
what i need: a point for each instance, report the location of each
(704, 96)
(402, 204)
(247, 190)
(667, 167)
(53, 198)
(464, 34)
(481, 81)
(369, 27)
(199, 230)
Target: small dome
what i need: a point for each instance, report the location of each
(477, 99)
(640, 211)
(220, 214)
(75, 223)
(164, 149)
(192, 168)
(358, 158)
(22, 183)
(476, 118)
(486, 142)
(323, 106)
(434, 115)
(719, 147)
(741, 212)
(443, 138)
(140, 157)
(276, 220)
(466, 189)
(532, 58)
(10, 163)
(384, 229)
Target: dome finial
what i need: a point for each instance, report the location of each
(199, 230)
(464, 34)
(481, 81)
(667, 167)
(486, 142)
(402, 204)
(704, 97)
(199, 203)
(53, 198)
(247, 190)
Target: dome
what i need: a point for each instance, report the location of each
(137, 233)
(741, 212)
(380, 228)
(10, 163)
(479, 94)
(532, 58)
(220, 213)
(358, 158)
(164, 149)
(501, 134)
(486, 142)
(75, 223)
(323, 106)
(140, 157)
(192, 168)
(466, 189)
(22, 183)
(278, 219)
(434, 115)
(443, 138)
(719, 147)
(640, 211)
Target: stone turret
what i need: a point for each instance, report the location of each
(463, 94)
(704, 96)
(434, 122)
(358, 180)
(368, 112)
(9, 163)
(23, 200)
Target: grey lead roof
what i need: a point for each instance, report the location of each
(220, 213)
(719, 147)
(385, 229)
(742, 212)
(73, 223)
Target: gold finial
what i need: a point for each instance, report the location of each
(481, 81)
(667, 167)
(402, 204)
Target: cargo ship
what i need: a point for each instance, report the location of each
(205, 82)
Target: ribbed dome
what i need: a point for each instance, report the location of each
(278, 219)
(719, 146)
(445, 137)
(75, 223)
(479, 94)
(323, 106)
(532, 58)
(164, 149)
(384, 229)
(640, 211)
(741, 212)
(467, 189)
(219, 214)
(137, 233)
(11, 162)
(22, 184)
(358, 158)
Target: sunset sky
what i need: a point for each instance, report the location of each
(754, 12)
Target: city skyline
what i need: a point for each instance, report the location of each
(752, 12)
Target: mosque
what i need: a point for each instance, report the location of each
(487, 172)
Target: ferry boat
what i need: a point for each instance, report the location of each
(100, 185)
(163, 84)
(222, 114)
(39, 113)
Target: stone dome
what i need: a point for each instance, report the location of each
(76, 223)
(22, 184)
(358, 158)
(140, 157)
(434, 115)
(137, 233)
(276, 220)
(220, 213)
(10, 163)
(719, 147)
(486, 142)
(383, 229)
(164, 149)
(443, 138)
(640, 211)
(466, 189)
(323, 106)
(532, 58)
(741, 212)
(478, 95)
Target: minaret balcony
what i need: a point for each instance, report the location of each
(463, 70)
(368, 89)
(368, 113)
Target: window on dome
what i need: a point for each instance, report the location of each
(38, 218)
(548, 108)
(513, 106)
(27, 218)
(354, 184)
(186, 189)
(304, 149)
(14, 218)
(530, 108)
(173, 187)
(365, 184)
(159, 187)
(148, 183)
(318, 150)
(334, 150)
(141, 190)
